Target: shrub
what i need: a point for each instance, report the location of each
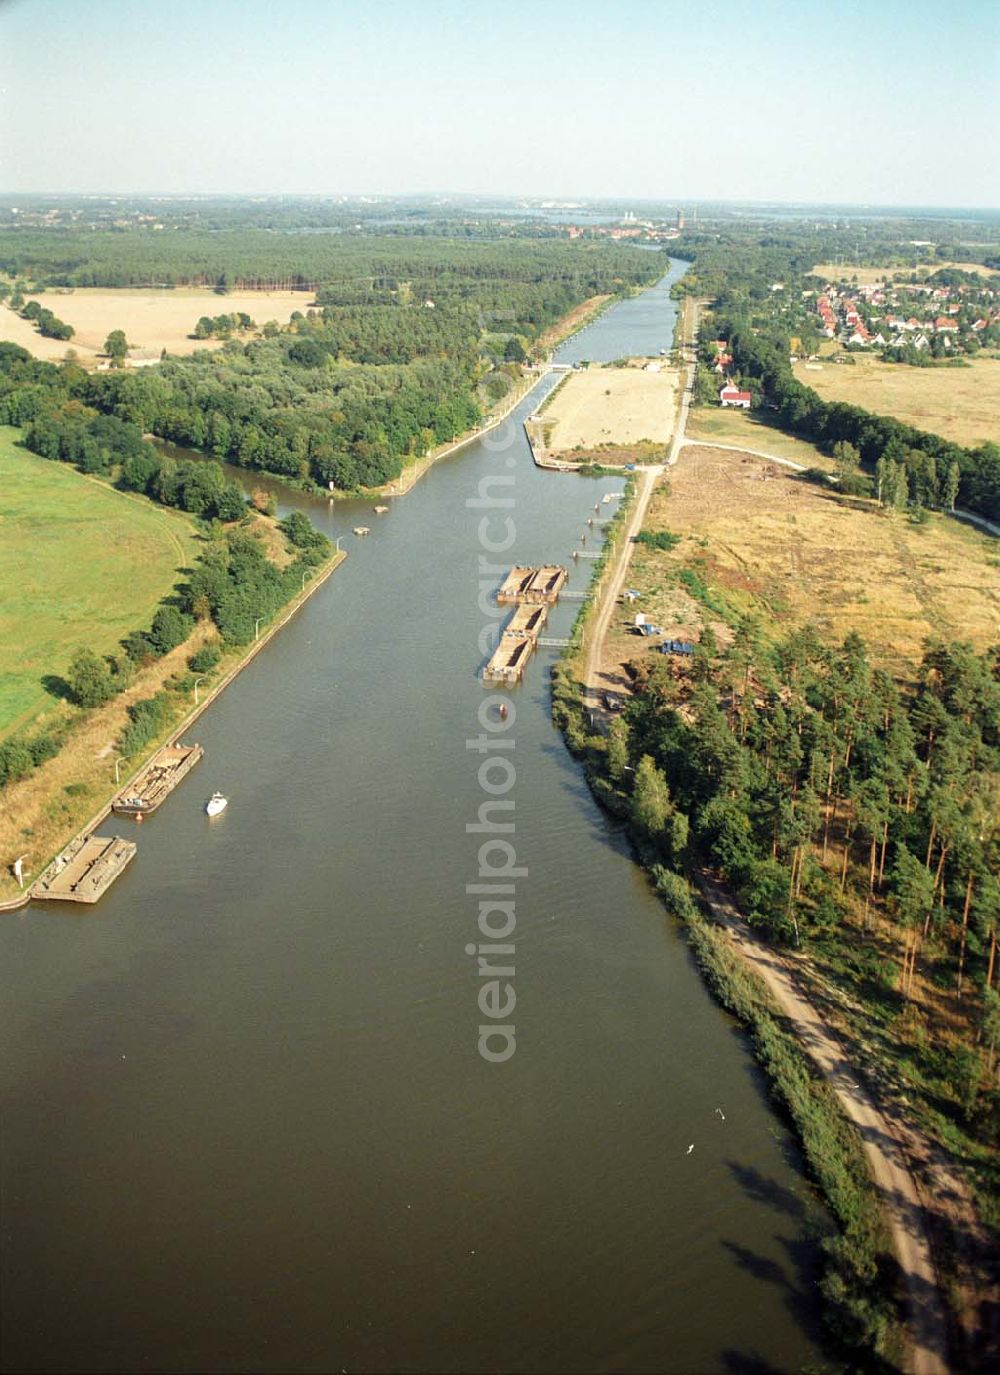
(170, 628)
(147, 718)
(657, 539)
(205, 659)
(90, 680)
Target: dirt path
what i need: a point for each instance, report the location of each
(883, 1135)
(741, 449)
(647, 479)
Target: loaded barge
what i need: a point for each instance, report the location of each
(157, 780)
(533, 590)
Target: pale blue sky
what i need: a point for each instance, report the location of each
(881, 101)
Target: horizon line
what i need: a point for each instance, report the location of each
(580, 199)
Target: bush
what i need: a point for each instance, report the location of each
(147, 718)
(90, 680)
(205, 659)
(20, 755)
(138, 647)
(675, 892)
(658, 539)
(170, 628)
(301, 532)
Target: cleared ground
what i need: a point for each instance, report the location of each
(962, 404)
(621, 406)
(866, 276)
(80, 564)
(152, 320)
(789, 552)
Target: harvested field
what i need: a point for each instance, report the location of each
(790, 552)
(605, 406)
(961, 404)
(868, 276)
(152, 320)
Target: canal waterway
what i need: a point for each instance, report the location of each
(245, 1123)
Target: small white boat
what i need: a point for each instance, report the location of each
(216, 804)
(380, 510)
(362, 530)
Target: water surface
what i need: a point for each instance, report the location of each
(245, 1124)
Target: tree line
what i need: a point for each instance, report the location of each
(345, 394)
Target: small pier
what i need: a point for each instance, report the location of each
(85, 870)
(533, 591)
(157, 780)
(539, 586)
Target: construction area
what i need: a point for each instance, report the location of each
(85, 869)
(157, 780)
(533, 590)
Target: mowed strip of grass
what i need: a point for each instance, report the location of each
(744, 429)
(80, 564)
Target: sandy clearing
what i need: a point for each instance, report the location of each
(152, 320)
(612, 406)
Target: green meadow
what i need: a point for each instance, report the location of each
(80, 564)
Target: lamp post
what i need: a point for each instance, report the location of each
(256, 627)
(196, 682)
(120, 760)
(304, 576)
(339, 538)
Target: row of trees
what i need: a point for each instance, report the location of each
(222, 326)
(48, 324)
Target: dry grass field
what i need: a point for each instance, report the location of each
(152, 320)
(788, 552)
(962, 404)
(867, 276)
(747, 430)
(618, 406)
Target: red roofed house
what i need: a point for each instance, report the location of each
(732, 396)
